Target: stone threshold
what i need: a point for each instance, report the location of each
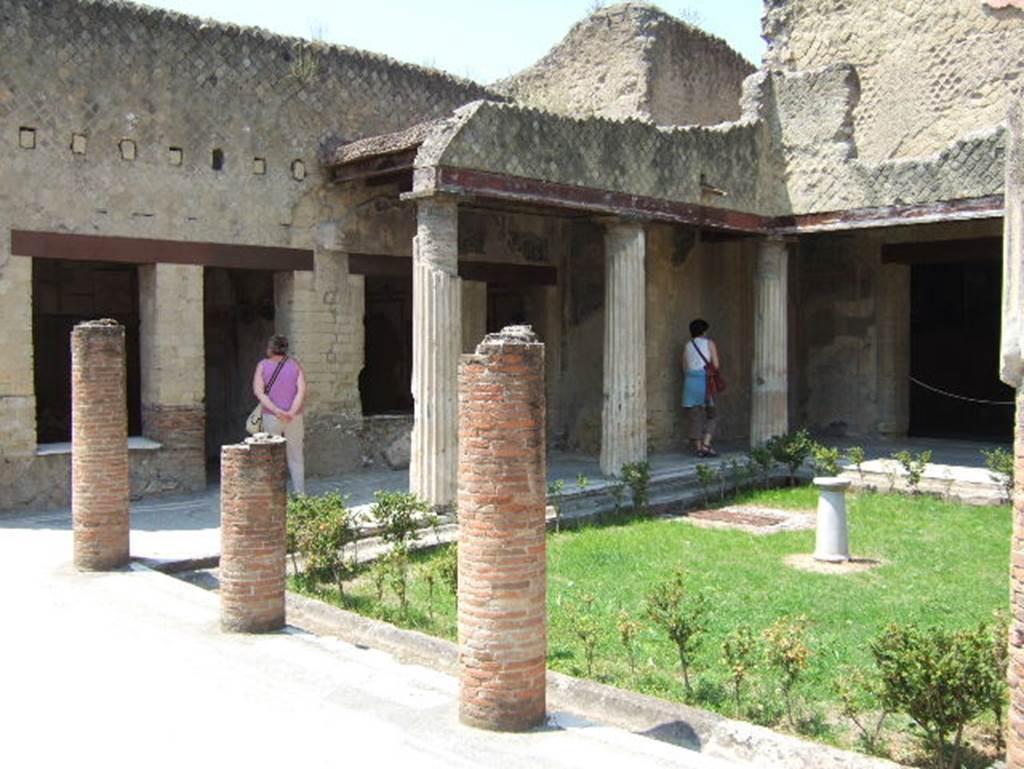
(699, 730)
(135, 443)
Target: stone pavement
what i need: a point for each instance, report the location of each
(129, 668)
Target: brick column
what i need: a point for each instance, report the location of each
(624, 408)
(502, 566)
(769, 402)
(99, 446)
(1015, 738)
(253, 505)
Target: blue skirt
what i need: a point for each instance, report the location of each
(695, 389)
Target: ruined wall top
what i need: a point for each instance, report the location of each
(929, 73)
(634, 60)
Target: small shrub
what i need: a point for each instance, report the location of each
(618, 494)
(683, 617)
(791, 450)
(857, 455)
(787, 653)
(555, 489)
(736, 475)
(400, 514)
(582, 481)
(1000, 464)
(1000, 639)
(861, 700)
(637, 476)
(913, 466)
(629, 628)
(585, 626)
(826, 460)
(707, 476)
(738, 654)
(447, 565)
(396, 572)
(319, 529)
(941, 679)
(763, 459)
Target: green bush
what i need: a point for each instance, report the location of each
(787, 653)
(318, 530)
(942, 679)
(629, 628)
(583, 618)
(707, 477)
(913, 466)
(860, 699)
(739, 651)
(791, 450)
(637, 476)
(400, 515)
(555, 490)
(1000, 463)
(762, 459)
(682, 615)
(826, 460)
(448, 567)
(858, 456)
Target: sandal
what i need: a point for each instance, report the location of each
(707, 451)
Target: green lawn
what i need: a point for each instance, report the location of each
(944, 564)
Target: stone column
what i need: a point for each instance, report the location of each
(1015, 727)
(253, 504)
(769, 401)
(173, 366)
(502, 556)
(99, 446)
(436, 344)
(624, 410)
(894, 350)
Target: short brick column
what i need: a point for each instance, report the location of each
(99, 446)
(253, 504)
(1015, 737)
(502, 553)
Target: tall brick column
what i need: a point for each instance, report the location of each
(99, 446)
(502, 566)
(253, 505)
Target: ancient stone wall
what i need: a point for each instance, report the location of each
(632, 60)
(946, 69)
(135, 122)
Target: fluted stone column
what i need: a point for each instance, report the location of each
(894, 350)
(769, 402)
(624, 412)
(436, 345)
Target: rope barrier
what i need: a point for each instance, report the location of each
(954, 396)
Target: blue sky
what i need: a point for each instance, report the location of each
(481, 39)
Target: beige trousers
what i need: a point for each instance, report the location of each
(293, 433)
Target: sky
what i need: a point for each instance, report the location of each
(484, 40)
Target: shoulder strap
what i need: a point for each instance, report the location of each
(697, 348)
(273, 377)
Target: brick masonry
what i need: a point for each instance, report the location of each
(502, 552)
(253, 512)
(99, 446)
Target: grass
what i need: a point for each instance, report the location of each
(944, 565)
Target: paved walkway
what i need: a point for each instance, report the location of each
(130, 669)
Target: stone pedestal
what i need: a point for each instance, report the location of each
(436, 344)
(769, 402)
(832, 541)
(99, 446)
(253, 506)
(502, 556)
(624, 410)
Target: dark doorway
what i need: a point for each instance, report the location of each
(386, 378)
(506, 306)
(66, 292)
(238, 320)
(955, 326)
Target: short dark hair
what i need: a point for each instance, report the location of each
(698, 326)
(278, 344)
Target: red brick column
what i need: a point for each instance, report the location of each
(99, 446)
(502, 554)
(253, 502)
(1015, 739)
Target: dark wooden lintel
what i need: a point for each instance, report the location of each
(379, 265)
(393, 165)
(104, 248)
(944, 251)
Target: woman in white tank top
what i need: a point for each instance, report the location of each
(697, 401)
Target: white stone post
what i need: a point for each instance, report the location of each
(769, 403)
(436, 344)
(624, 411)
(832, 541)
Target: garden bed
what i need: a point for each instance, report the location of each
(941, 565)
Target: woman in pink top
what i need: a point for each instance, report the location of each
(282, 403)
